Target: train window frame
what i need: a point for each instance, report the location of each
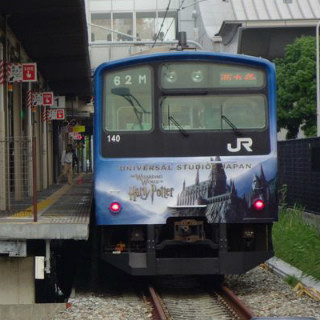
(135, 128)
(226, 122)
(200, 75)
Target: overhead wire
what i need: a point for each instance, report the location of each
(177, 11)
(165, 15)
(175, 17)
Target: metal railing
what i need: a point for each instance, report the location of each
(18, 177)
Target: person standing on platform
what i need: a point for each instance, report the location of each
(66, 162)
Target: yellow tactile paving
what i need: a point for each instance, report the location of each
(44, 204)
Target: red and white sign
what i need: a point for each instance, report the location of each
(47, 98)
(75, 135)
(56, 114)
(60, 114)
(29, 72)
(25, 72)
(42, 98)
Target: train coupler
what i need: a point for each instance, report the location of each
(189, 230)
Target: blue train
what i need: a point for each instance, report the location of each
(185, 162)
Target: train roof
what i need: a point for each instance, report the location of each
(197, 55)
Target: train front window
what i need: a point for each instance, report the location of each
(203, 113)
(128, 100)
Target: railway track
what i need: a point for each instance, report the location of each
(197, 303)
(118, 296)
(176, 298)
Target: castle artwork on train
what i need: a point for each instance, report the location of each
(221, 200)
(222, 190)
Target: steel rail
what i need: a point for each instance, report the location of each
(244, 312)
(227, 297)
(157, 304)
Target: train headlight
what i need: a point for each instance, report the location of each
(197, 76)
(115, 207)
(171, 76)
(258, 205)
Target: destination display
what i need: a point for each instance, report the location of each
(239, 79)
(210, 76)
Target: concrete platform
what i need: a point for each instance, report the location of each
(63, 214)
(43, 311)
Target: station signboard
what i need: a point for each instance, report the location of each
(56, 114)
(29, 72)
(36, 99)
(79, 128)
(47, 98)
(42, 98)
(22, 72)
(59, 102)
(75, 135)
(14, 72)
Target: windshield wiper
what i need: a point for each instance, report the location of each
(178, 125)
(133, 101)
(233, 127)
(173, 120)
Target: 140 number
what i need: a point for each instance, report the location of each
(113, 138)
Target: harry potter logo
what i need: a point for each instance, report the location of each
(153, 191)
(148, 178)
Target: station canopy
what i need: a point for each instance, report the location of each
(54, 35)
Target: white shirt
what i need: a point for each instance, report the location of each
(66, 157)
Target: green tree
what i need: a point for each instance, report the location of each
(296, 84)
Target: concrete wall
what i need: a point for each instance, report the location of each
(43, 311)
(17, 280)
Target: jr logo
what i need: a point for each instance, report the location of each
(241, 142)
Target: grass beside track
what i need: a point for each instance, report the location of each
(297, 242)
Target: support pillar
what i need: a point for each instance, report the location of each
(29, 135)
(3, 185)
(50, 154)
(44, 155)
(37, 124)
(18, 143)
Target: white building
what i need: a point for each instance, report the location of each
(118, 28)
